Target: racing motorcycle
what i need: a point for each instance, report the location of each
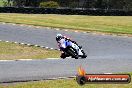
(73, 50)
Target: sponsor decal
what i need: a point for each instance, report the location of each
(83, 78)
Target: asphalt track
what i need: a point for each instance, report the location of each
(106, 54)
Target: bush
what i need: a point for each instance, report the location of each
(49, 4)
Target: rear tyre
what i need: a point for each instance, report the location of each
(73, 53)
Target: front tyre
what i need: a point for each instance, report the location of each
(84, 55)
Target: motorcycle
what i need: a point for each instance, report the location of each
(73, 50)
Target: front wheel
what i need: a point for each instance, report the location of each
(84, 55)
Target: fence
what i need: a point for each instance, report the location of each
(67, 11)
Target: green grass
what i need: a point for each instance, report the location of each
(109, 24)
(71, 83)
(1, 2)
(9, 51)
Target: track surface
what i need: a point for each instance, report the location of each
(106, 54)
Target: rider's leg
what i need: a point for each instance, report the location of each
(64, 55)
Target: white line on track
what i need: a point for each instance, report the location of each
(53, 78)
(36, 45)
(16, 42)
(16, 60)
(6, 41)
(21, 25)
(42, 46)
(125, 36)
(94, 33)
(48, 28)
(5, 60)
(84, 32)
(3, 23)
(29, 26)
(76, 31)
(13, 24)
(65, 30)
(37, 27)
(53, 58)
(103, 34)
(28, 44)
(108, 73)
(62, 77)
(22, 43)
(114, 35)
(25, 59)
(46, 47)
(57, 29)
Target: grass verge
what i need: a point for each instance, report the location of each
(65, 83)
(108, 24)
(9, 51)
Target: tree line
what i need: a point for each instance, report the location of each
(102, 4)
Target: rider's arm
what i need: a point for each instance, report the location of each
(69, 39)
(62, 45)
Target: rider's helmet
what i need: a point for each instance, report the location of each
(58, 37)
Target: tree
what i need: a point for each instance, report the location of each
(127, 5)
(103, 4)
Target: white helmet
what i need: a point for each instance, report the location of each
(58, 37)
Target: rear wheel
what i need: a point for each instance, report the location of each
(73, 53)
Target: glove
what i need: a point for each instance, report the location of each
(62, 49)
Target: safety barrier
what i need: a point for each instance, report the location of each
(67, 11)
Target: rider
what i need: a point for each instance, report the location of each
(64, 37)
(60, 39)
